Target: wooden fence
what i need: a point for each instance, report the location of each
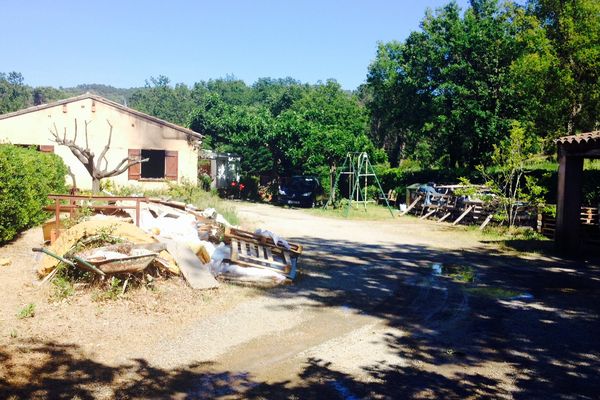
(590, 224)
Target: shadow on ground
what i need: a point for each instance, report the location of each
(538, 316)
(535, 318)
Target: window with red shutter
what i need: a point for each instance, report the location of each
(171, 165)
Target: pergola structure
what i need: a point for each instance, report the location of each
(572, 150)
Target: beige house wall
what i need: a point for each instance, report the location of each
(130, 131)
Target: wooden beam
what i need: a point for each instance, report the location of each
(468, 210)
(568, 205)
(444, 217)
(429, 213)
(414, 203)
(487, 220)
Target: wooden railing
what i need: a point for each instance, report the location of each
(72, 205)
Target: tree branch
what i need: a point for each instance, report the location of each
(105, 150)
(75, 135)
(118, 171)
(87, 145)
(72, 175)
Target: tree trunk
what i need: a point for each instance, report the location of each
(332, 182)
(95, 185)
(575, 109)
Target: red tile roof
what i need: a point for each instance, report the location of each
(580, 138)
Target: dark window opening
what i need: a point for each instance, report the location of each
(155, 166)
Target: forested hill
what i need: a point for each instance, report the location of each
(119, 95)
(15, 94)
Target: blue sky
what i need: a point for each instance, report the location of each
(123, 43)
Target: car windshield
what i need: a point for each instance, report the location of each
(302, 183)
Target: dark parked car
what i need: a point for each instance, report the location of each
(303, 191)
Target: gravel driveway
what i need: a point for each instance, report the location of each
(366, 319)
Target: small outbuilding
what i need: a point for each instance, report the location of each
(171, 150)
(572, 150)
(223, 168)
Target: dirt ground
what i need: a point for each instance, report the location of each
(365, 319)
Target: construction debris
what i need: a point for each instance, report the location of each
(198, 275)
(109, 227)
(176, 238)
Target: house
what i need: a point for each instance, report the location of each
(171, 150)
(572, 150)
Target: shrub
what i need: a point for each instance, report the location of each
(26, 178)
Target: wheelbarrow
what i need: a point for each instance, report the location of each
(81, 263)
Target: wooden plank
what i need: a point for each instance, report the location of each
(195, 273)
(261, 261)
(287, 258)
(428, 214)
(269, 254)
(234, 250)
(487, 220)
(444, 217)
(410, 207)
(231, 232)
(250, 264)
(468, 210)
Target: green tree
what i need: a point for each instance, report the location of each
(448, 93)
(507, 179)
(158, 98)
(14, 94)
(573, 27)
(47, 94)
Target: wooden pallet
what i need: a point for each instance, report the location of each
(248, 254)
(249, 237)
(589, 215)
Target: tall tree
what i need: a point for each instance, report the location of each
(159, 99)
(573, 27)
(449, 92)
(14, 94)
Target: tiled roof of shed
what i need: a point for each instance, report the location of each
(587, 137)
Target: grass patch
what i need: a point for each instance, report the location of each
(356, 211)
(492, 292)
(115, 288)
(62, 288)
(503, 233)
(27, 312)
(459, 273)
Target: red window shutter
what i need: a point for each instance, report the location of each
(171, 165)
(135, 171)
(47, 148)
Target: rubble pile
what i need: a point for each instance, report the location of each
(177, 239)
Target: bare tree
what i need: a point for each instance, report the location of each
(86, 156)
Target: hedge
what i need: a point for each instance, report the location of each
(26, 178)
